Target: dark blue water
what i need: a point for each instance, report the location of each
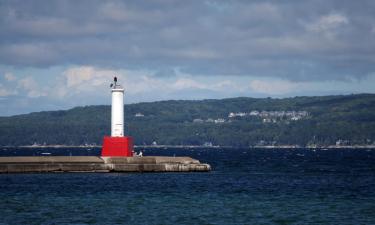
(246, 186)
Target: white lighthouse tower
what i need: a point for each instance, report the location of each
(117, 144)
(117, 110)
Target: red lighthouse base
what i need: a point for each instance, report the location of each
(117, 146)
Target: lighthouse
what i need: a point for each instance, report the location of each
(117, 110)
(117, 144)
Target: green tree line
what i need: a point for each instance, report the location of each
(331, 118)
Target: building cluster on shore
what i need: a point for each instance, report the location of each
(210, 120)
(288, 115)
(265, 116)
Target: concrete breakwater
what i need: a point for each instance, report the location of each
(39, 164)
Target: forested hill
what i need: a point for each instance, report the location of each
(328, 120)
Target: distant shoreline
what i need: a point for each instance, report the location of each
(201, 146)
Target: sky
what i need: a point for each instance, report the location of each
(56, 55)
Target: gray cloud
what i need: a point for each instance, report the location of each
(295, 40)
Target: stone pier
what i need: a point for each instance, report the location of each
(39, 164)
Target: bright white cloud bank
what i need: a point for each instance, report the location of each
(88, 79)
(88, 85)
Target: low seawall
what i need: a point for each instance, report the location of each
(100, 164)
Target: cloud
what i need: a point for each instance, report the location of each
(4, 92)
(257, 38)
(31, 87)
(186, 83)
(83, 80)
(168, 49)
(78, 75)
(63, 88)
(88, 78)
(9, 76)
(94, 81)
(328, 22)
(279, 87)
